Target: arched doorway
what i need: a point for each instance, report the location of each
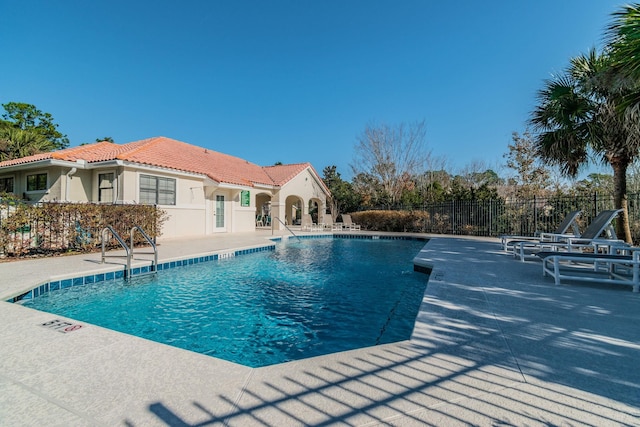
(263, 210)
(315, 209)
(293, 210)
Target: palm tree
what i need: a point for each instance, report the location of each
(16, 143)
(579, 115)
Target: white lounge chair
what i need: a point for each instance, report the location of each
(328, 224)
(348, 223)
(622, 267)
(307, 223)
(563, 230)
(601, 225)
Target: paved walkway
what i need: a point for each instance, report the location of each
(494, 343)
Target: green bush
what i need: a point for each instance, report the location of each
(403, 221)
(70, 227)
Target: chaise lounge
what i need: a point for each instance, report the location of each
(569, 222)
(601, 225)
(348, 223)
(308, 224)
(622, 267)
(328, 223)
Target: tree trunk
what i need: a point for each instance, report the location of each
(335, 211)
(620, 199)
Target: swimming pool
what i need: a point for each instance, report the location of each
(305, 298)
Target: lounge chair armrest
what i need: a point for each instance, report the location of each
(608, 244)
(554, 237)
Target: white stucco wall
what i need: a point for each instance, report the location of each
(305, 186)
(240, 218)
(183, 222)
(77, 187)
(52, 192)
(128, 185)
(244, 217)
(188, 216)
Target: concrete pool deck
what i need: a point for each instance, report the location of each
(495, 343)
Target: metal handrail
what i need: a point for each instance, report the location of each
(154, 267)
(285, 226)
(108, 228)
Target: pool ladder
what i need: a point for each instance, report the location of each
(285, 226)
(128, 249)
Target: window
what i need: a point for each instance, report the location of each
(6, 185)
(157, 190)
(105, 187)
(37, 182)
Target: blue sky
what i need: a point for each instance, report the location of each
(293, 81)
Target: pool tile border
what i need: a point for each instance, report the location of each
(58, 284)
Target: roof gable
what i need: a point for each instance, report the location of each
(281, 174)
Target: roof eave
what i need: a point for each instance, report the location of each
(208, 182)
(231, 186)
(42, 164)
(264, 186)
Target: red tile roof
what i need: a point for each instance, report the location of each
(281, 174)
(98, 152)
(169, 153)
(177, 155)
(28, 159)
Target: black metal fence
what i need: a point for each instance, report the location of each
(521, 217)
(59, 227)
(54, 228)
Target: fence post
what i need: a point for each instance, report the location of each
(453, 217)
(489, 231)
(535, 214)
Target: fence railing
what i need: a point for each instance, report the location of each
(49, 228)
(59, 227)
(512, 216)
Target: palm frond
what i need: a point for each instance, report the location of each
(623, 36)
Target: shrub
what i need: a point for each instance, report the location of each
(62, 227)
(403, 221)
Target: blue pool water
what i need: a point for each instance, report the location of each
(306, 298)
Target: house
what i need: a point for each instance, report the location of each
(203, 191)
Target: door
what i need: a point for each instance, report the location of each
(219, 214)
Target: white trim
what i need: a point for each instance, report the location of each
(38, 164)
(227, 186)
(265, 186)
